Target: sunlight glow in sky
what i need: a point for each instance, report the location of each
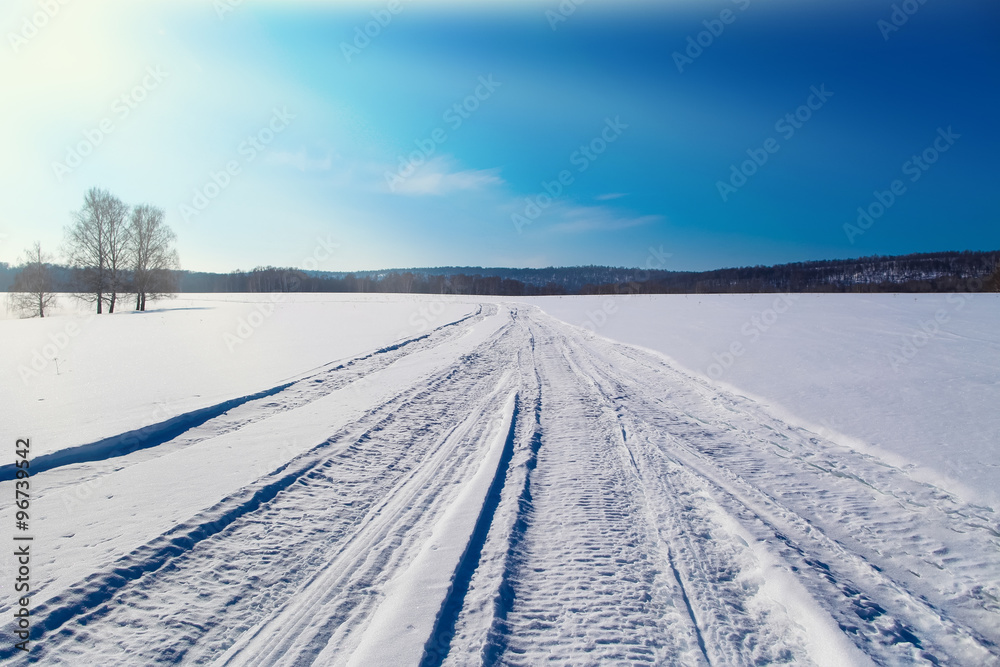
(730, 132)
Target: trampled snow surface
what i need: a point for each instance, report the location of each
(911, 378)
(435, 482)
(113, 374)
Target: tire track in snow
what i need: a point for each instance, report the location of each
(579, 578)
(687, 604)
(495, 643)
(636, 515)
(732, 623)
(439, 642)
(329, 623)
(356, 467)
(765, 475)
(233, 414)
(478, 636)
(729, 624)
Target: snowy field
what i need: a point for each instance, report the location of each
(373, 479)
(914, 379)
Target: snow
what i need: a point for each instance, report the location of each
(400, 627)
(116, 373)
(827, 645)
(380, 479)
(914, 379)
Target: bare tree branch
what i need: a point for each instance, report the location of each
(153, 257)
(97, 245)
(31, 294)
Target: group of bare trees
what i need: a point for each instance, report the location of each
(119, 249)
(115, 249)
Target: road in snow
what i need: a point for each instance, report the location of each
(912, 378)
(502, 489)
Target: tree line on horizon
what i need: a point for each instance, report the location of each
(111, 249)
(281, 279)
(967, 271)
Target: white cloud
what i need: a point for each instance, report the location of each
(598, 219)
(437, 177)
(300, 160)
(610, 195)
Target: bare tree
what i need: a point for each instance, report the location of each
(97, 245)
(153, 257)
(31, 293)
(119, 249)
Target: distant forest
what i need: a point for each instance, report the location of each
(931, 272)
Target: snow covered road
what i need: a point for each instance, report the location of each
(506, 489)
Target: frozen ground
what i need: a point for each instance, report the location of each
(113, 374)
(910, 378)
(394, 480)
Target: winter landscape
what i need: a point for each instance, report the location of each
(449, 481)
(499, 332)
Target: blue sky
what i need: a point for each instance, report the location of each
(270, 131)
